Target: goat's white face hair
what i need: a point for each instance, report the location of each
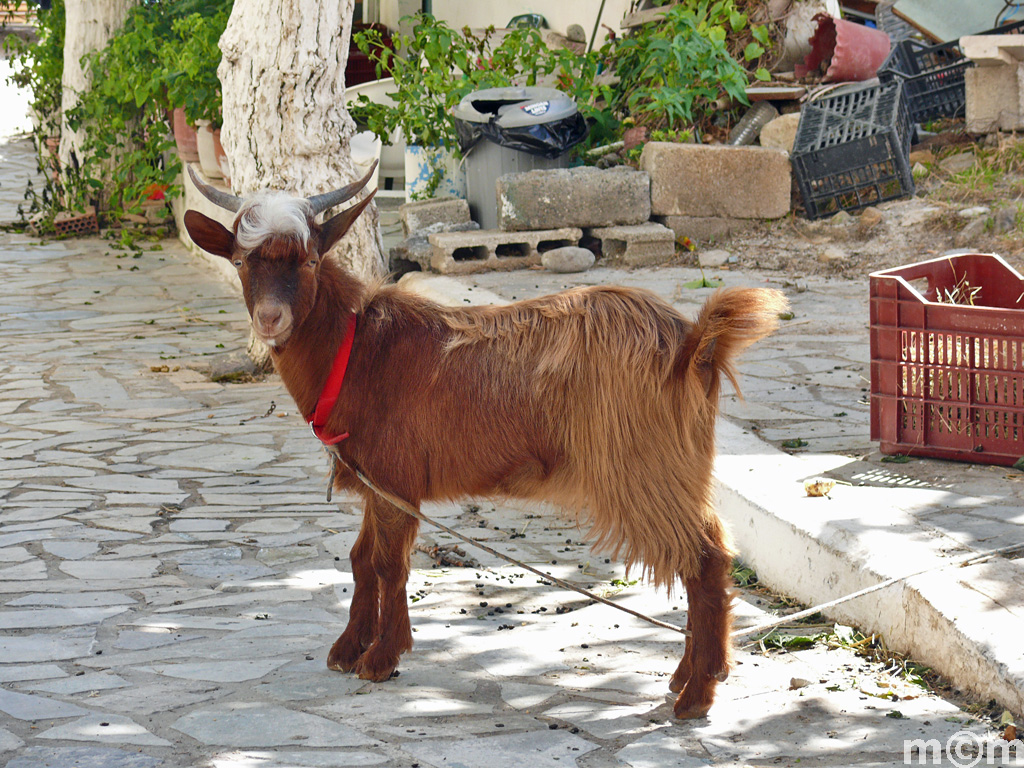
(276, 214)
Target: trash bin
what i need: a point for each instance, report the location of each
(509, 130)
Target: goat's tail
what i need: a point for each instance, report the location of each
(731, 320)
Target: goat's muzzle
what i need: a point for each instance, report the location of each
(272, 321)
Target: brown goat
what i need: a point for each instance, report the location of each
(601, 400)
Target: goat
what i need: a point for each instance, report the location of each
(601, 400)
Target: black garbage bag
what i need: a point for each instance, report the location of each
(538, 121)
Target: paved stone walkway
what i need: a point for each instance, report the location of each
(171, 578)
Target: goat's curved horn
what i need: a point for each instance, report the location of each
(223, 199)
(327, 200)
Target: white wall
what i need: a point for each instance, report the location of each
(482, 13)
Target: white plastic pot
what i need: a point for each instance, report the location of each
(420, 163)
(207, 153)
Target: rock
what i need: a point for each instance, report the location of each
(796, 683)
(635, 136)
(713, 258)
(973, 213)
(869, 218)
(832, 253)
(919, 216)
(1006, 220)
(919, 171)
(780, 132)
(975, 229)
(922, 156)
(958, 163)
(234, 367)
(569, 258)
(576, 33)
(841, 219)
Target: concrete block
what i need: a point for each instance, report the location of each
(637, 245)
(422, 214)
(462, 253)
(573, 197)
(718, 180)
(780, 133)
(416, 250)
(704, 229)
(995, 98)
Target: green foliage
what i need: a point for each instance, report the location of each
(166, 55)
(673, 73)
(435, 66)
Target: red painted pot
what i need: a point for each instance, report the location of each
(849, 51)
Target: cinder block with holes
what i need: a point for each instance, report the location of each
(637, 245)
(462, 253)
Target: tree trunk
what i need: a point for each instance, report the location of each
(285, 123)
(89, 24)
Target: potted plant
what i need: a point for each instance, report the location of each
(191, 58)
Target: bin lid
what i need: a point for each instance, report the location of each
(515, 106)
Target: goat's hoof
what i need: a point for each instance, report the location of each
(693, 712)
(693, 703)
(375, 666)
(723, 675)
(677, 683)
(344, 655)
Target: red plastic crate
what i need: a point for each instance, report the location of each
(947, 380)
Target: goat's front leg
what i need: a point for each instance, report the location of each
(395, 536)
(364, 611)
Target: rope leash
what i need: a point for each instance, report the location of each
(409, 509)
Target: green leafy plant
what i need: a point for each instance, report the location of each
(164, 56)
(435, 66)
(673, 73)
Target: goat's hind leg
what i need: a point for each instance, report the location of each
(708, 649)
(395, 536)
(364, 612)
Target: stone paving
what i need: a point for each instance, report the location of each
(172, 578)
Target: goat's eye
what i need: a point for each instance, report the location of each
(237, 262)
(311, 263)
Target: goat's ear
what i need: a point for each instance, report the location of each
(209, 235)
(335, 228)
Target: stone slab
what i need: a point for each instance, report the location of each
(573, 197)
(266, 725)
(717, 180)
(458, 253)
(85, 757)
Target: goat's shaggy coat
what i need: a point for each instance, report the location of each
(601, 400)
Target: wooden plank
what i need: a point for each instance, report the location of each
(639, 18)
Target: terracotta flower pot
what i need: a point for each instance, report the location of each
(185, 137)
(849, 51)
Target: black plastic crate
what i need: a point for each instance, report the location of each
(852, 150)
(933, 75)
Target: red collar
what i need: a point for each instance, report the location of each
(331, 390)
